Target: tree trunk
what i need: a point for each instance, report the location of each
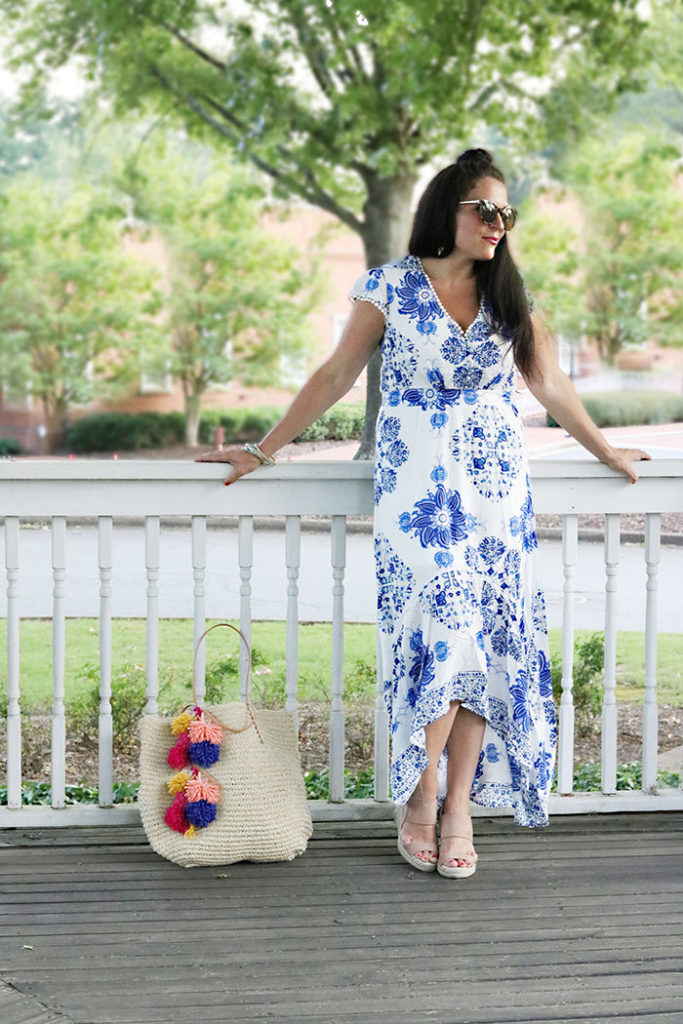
(388, 216)
(192, 411)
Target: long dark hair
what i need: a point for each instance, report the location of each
(498, 279)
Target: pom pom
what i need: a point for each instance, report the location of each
(200, 813)
(175, 815)
(180, 723)
(178, 782)
(189, 833)
(204, 754)
(178, 754)
(202, 729)
(201, 789)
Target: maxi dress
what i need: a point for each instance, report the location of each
(459, 616)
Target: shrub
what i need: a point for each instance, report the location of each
(238, 424)
(127, 704)
(9, 446)
(340, 423)
(125, 431)
(631, 408)
(589, 661)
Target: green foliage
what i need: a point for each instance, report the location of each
(9, 446)
(239, 295)
(238, 424)
(356, 787)
(76, 310)
(127, 704)
(124, 431)
(589, 662)
(630, 408)
(616, 278)
(33, 793)
(629, 777)
(340, 423)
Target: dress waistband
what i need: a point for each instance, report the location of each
(441, 398)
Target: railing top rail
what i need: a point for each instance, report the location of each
(186, 469)
(102, 487)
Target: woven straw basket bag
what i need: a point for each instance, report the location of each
(223, 783)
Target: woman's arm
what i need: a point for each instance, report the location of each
(329, 383)
(553, 389)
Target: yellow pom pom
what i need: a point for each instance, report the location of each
(177, 783)
(180, 723)
(189, 834)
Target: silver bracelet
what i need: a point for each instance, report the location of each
(253, 449)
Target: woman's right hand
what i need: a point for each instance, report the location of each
(242, 462)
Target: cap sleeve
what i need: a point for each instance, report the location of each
(372, 287)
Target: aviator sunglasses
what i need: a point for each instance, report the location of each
(488, 212)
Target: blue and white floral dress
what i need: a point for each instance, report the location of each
(459, 617)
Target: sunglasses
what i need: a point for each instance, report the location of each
(488, 212)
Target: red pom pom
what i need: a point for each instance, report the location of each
(175, 816)
(178, 754)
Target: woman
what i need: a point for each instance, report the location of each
(463, 644)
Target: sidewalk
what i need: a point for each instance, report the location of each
(660, 439)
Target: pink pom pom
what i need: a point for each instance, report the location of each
(201, 789)
(178, 754)
(202, 729)
(175, 816)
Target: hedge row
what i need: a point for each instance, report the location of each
(123, 431)
(8, 446)
(631, 408)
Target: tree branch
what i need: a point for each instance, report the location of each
(193, 47)
(312, 192)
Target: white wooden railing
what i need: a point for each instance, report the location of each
(113, 492)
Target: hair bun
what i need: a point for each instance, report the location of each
(475, 156)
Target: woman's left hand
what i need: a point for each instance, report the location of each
(622, 460)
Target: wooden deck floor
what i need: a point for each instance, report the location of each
(582, 921)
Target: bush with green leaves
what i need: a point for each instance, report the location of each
(9, 446)
(589, 662)
(238, 425)
(128, 689)
(343, 422)
(630, 408)
(125, 431)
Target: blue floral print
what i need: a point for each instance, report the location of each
(459, 615)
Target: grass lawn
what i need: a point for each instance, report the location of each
(175, 659)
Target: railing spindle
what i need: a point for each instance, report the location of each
(13, 693)
(565, 769)
(293, 561)
(199, 594)
(337, 730)
(246, 562)
(105, 552)
(650, 712)
(609, 701)
(152, 648)
(58, 751)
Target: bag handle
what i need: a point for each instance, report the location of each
(249, 705)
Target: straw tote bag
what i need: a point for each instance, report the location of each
(223, 783)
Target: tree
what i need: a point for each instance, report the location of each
(76, 312)
(618, 280)
(237, 296)
(341, 104)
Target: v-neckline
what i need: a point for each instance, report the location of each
(463, 330)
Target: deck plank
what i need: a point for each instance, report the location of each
(580, 922)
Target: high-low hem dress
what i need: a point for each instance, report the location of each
(459, 616)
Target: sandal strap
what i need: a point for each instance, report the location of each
(454, 835)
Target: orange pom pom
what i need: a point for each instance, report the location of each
(202, 789)
(201, 729)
